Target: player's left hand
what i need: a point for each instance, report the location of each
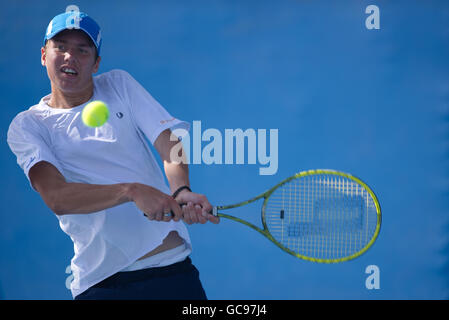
(196, 208)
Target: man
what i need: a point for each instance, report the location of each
(104, 184)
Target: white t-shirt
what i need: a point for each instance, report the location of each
(110, 240)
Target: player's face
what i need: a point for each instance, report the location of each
(70, 61)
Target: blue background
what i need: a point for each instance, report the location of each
(374, 103)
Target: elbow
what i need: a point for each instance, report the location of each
(57, 209)
(55, 205)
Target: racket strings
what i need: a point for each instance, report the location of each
(321, 216)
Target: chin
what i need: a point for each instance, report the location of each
(72, 86)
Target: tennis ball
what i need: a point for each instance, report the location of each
(95, 114)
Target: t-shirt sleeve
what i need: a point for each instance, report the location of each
(150, 117)
(27, 141)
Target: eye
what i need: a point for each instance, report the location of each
(61, 47)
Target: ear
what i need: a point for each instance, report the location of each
(96, 65)
(43, 56)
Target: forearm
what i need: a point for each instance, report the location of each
(76, 198)
(197, 208)
(177, 175)
(176, 171)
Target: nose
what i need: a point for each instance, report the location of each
(69, 54)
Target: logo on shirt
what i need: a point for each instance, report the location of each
(31, 161)
(166, 121)
(119, 115)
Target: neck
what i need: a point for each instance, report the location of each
(67, 100)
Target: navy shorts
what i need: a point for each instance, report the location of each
(179, 281)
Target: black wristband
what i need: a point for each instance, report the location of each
(175, 194)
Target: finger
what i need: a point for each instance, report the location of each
(207, 213)
(206, 209)
(213, 219)
(158, 216)
(192, 212)
(176, 211)
(149, 216)
(199, 213)
(206, 205)
(185, 213)
(167, 215)
(183, 208)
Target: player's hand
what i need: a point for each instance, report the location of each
(196, 208)
(155, 204)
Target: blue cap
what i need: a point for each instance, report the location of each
(75, 20)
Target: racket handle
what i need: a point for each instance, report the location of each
(171, 213)
(167, 214)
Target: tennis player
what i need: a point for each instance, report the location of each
(100, 181)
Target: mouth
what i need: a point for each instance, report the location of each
(69, 71)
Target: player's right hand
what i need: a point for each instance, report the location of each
(155, 204)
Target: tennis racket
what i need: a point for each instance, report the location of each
(320, 215)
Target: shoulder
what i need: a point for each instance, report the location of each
(24, 125)
(116, 82)
(115, 76)
(26, 118)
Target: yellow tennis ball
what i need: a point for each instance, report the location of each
(95, 114)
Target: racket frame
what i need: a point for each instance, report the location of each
(266, 195)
